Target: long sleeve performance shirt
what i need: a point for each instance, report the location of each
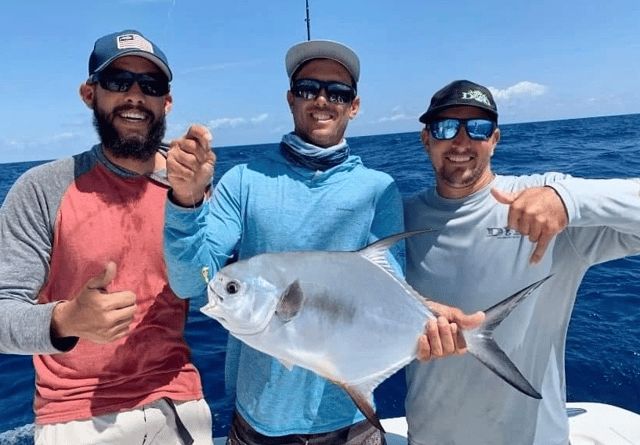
(473, 260)
(270, 205)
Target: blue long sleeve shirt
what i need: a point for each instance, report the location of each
(270, 205)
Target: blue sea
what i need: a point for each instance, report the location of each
(603, 344)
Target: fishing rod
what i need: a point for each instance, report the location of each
(308, 22)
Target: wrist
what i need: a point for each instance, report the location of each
(61, 337)
(192, 200)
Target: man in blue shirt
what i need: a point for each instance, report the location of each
(311, 193)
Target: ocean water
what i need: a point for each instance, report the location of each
(603, 344)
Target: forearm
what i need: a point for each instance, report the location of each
(614, 203)
(25, 328)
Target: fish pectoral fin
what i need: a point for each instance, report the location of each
(364, 402)
(290, 302)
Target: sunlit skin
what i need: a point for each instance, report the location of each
(462, 165)
(132, 112)
(319, 121)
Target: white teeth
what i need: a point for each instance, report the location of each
(132, 115)
(321, 116)
(459, 158)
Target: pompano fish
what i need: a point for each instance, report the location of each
(346, 316)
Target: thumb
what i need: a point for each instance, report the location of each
(101, 281)
(200, 134)
(470, 321)
(503, 197)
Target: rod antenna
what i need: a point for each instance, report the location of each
(308, 22)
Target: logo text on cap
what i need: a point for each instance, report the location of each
(127, 41)
(477, 96)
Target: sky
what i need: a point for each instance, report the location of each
(543, 60)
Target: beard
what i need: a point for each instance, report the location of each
(461, 177)
(138, 147)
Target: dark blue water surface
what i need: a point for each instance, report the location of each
(603, 344)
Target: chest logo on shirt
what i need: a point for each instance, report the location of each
(502, 233)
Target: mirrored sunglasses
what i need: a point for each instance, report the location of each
(337, 92)
(477, 129)
(120, 81)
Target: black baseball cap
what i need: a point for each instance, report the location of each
(460, 93)
(126, 43)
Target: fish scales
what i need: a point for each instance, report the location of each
(333, 310)
(346, 316)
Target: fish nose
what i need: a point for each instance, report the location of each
(213, 296)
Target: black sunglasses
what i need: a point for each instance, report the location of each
(447, 128)
(119, 81)
(337, 92)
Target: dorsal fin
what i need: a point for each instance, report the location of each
(376, 252)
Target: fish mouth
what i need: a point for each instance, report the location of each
(215, 310)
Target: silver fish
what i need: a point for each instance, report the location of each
(346, 316)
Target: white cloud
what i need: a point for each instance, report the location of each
(259, 119)
(395, 118)
(227, 122)
(521, 89)
(234, 122)
(62, 136)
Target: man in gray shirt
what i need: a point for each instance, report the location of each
(491, 235)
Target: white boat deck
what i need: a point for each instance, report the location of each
(600, 424)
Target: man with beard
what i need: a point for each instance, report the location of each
(490, 238)
(83, 282)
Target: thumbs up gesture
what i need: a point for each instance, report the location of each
(95, 314)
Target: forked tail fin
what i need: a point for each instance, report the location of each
(481, 345)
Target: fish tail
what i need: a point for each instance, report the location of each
(481, 345)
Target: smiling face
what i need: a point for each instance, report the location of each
(130, 123)
(319, 121)
(461, 165)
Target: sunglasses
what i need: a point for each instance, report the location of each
(119, 81)
(337, 93)
(477, 129)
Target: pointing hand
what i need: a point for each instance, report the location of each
(95, 314)
(538, 213)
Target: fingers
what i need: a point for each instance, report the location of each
(96, 314)
(191, 165)
(441, 339)
(538, 213)
(196, 142)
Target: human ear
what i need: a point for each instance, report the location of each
(355, 107)
(87, 94)
(290, 99)
(168, 103)
(424, 136)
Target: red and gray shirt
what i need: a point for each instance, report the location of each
(60, 224)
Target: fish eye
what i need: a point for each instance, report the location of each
(233, 287)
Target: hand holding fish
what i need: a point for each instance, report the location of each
(538, 213)
(95, 314)
(443, 337)
(190, 166)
